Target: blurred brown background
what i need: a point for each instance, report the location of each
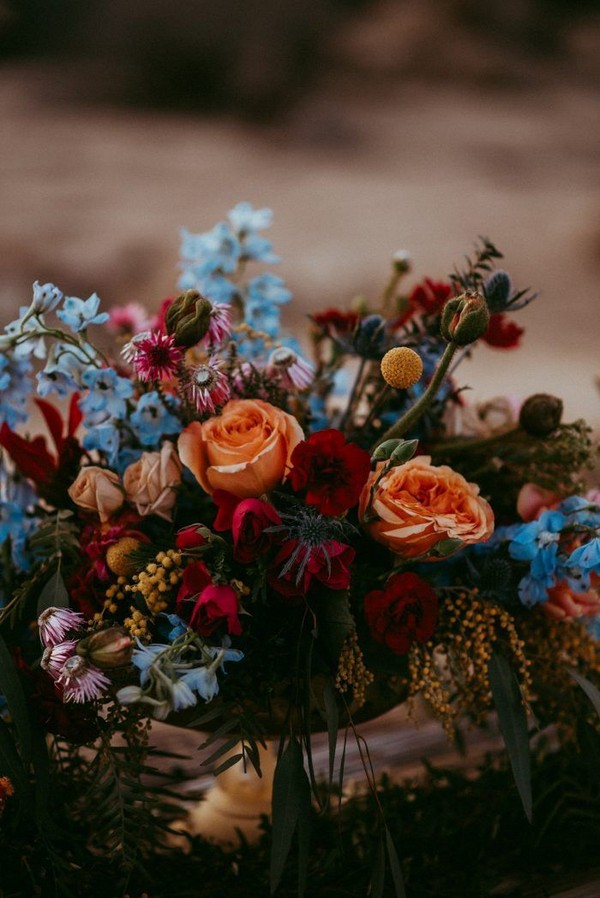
(366, 126)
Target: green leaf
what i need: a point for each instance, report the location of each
(394, 865)
(333, 721)
(54, 594)
(513, 725)
(11, 687)
(290, 810)
(335, 621)
(590, 690)
(378, 875)
(230, 762)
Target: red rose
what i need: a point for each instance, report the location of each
(328, 564)
(502, 333)
(189, 538)
(214, 606)
(251, 520)
(403, 612)
(336, 322)
(332, 471)
(196, 577)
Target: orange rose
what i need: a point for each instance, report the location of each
(245, 450)
(151, 482)
(98, 490)
(563, 602)
(418, 505)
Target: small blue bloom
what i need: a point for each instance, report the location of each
(537, 542)
(34, 344)
(258, 249)
(107, 396)
(587, 557)
(15, 389)
(171, 626)
(151, 420)
(78, 314)
(267, 289)
(581, 510)
(203, 681)
(217, 250)
(105, 438)
(64, 370)
(46, 297)
(245, 219)
(532, 591)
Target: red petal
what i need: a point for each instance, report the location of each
(54, 422)
(75, 415)
(30, 456)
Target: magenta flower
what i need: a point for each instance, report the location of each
(56, 656)
(81, 681)
(209, 386)
(219, 325)
(154, 356)
(55, 623)
(293, 371)
(129, 319)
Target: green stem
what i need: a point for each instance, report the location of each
(452, 447)
(420, 407)
(354, 395)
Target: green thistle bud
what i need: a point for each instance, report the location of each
(541, 414)
(188, 318)
(107, 648)
(465, 318)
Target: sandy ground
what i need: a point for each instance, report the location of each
(94, 199)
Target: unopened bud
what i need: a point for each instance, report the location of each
(385, 449)
(107, 648)
(402, 261)
(188, 318)
(403, 452)
(465, 318)
(541, 414)
(46, 297)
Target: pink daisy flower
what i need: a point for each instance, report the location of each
(81, 681)
(56, 656)
(154, 356)
(293, 371)
(209, 386)
(129, 319)
(55, 623)
(219, 326)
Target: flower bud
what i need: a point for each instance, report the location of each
(188, 318)
(107, 648)
(46, 297)
(401, 261)
(465, 318)
(403, 452)
(369, 338)
(540, 414)
(385, 449)
(497, 290)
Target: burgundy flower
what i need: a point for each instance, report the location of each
(502, 333)
(297, 568)
(217, 604)
(251, 520)
(332, 471)
(427, 298)
(403, 612)
(226, 503)
(189, 538)
(335, 322)
(196, 577)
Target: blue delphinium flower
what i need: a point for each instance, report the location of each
(35, 344)
(151, 420)
(581, 511)
(245, 219)
(105, 438)
(106, 399)
(587, 557)
(217, 250)
(538, 543)
(15, 389)
(264, 295)
(46, 297)
(64, 370)
(78, 314)
(17, 521)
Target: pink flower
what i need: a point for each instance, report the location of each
(129, 319)
(294, 372)
(564, 603)
(55, 623)
(216, 605)
(81, 681)
(209, 386)
(219, 325)
(55, 657)
(533, 500)
(154, 356)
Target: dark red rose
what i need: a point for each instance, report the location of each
(335, 322)
(328, 564)
(249, 526)
(196, 577)
(402, 613)
(216, 605)
(430, 297)
(502, 333)
(158, 322)
(332, 471)
(189, 538)
(77, 723)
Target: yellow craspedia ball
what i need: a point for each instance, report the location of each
(118, 556)
(401, 367)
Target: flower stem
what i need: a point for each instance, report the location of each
(420, 407)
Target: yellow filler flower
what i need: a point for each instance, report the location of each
(401, 367)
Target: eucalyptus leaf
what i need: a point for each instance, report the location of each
(513, 725)
(394, 865)
(54, 594)
(590, 690)
(290, 810)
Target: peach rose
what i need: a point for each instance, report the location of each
(151, 482)
(533, 500)
(245, 450)
(563, 602)
(418, 505)
(98, 490)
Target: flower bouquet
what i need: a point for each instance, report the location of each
(228, 530)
